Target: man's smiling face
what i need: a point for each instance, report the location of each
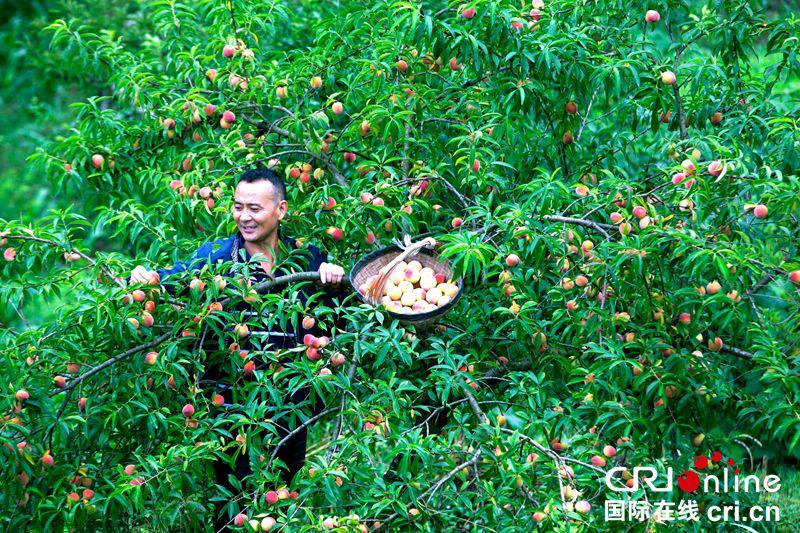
(257, 212)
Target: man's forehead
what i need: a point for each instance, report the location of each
(254, 192)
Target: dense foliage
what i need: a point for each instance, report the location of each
(654, 307)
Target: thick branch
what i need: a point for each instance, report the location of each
(675, 89)
(473, 403)
(681, 115)
(95, 369)
(599, 227)
(763, 282)
(738, 352)
(266, 126)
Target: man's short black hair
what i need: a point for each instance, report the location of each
(265, 174)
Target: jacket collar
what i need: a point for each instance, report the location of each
(283, 241)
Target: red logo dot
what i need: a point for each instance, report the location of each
(700, 462)
(688, 481)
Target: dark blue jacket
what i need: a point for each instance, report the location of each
(292, 259)
(232, 249)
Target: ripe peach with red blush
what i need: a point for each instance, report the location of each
(715, 344)
(652, 16)
(715, 168)
(335, 233)
(668, 77)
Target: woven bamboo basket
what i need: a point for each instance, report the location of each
(372, 263)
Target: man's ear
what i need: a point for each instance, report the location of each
(283, 206)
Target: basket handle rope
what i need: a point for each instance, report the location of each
(375, 291)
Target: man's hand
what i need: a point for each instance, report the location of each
(141, 275)
(330, 274)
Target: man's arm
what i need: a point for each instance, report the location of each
(203, 255)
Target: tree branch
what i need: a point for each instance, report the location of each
(294, 432)
(66, 249)
(444, 479)
(599, 227)
(337, 430)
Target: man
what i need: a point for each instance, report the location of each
(259, 206)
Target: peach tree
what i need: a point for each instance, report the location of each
(616, 187)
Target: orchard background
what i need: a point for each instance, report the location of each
(654, 308)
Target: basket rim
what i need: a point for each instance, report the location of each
(416, 317)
